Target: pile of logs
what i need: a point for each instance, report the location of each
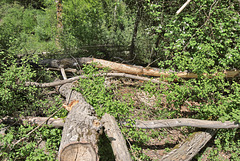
(81, 128)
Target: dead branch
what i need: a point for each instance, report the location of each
(186, 122)
(187, 150)
(70, 70)
(183, 6)
(70, 80)
(58, 122)
(63, 73)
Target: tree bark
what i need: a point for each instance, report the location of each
(116, 138)
(190, 147)
(81, 129)
(186, 122)
(58, 122)
(129, 69)
(134, 35)
(59, 21)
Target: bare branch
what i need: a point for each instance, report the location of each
(58, 122)
(63, 73)
(52, 84)
(186, 122)
(183, 6)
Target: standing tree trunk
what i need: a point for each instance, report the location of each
(134, 36)
(59, 21)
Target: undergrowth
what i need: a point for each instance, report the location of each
(208, 99)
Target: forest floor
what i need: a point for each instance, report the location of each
(147, 107)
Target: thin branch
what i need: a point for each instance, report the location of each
(52, 84)
(183, 6)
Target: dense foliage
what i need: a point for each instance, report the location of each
(203, 38)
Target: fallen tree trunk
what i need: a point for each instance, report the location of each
(81, 129)
(58, 122)
(185, 122)
(116, 138)
(187, 150)
(124, 68)
(54, 122)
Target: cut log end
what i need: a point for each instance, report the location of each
(78, 151)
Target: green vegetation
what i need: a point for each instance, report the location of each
(203, 38)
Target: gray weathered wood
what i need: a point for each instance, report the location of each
(60, 82)
(58, 122)
(116, 138)
(191, 147)
(81, 127)
(186, 122)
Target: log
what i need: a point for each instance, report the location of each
(59, 122)
(81, 129)
(54, 122)
(124, 68)
(187, 150)
(185, 122)
(116, 138)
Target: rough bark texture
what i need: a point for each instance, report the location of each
(190, 147)
(116, 138)
(81, 129)
(124, 68)
(186, 122)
